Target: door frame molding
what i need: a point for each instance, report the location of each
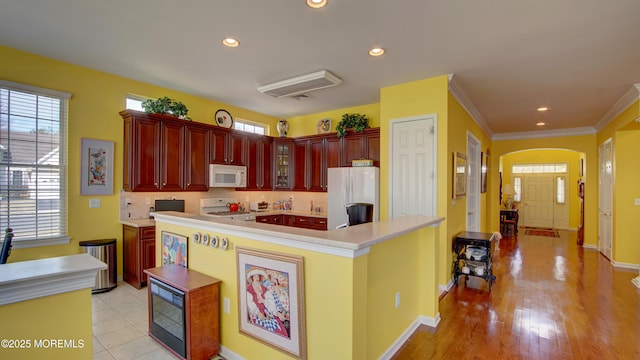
(434, 190)
(472, 138)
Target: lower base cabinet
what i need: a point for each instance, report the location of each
(184, 311)
(138, 253)
(307, 222)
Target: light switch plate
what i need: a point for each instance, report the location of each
(637, 202)
(94, 203)
(227, 305)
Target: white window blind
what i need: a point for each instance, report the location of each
(33, 164)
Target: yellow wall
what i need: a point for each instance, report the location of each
(422, 97)
(344, 298)
(307, 124)
(623, 130)
(585, 144)
(626, 246)
(60, 317)
(460, 124)
(97, 98)
(571, 158)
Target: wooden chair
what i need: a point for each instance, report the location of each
(506, 223)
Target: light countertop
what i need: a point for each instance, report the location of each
(352, 238)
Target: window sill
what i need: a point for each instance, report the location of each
(24, 244)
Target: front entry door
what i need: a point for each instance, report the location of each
(538, 200)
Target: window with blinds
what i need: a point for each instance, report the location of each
(33, 164)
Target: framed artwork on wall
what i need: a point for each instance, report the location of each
(271, 299)
(484, 170)
(96, 167)
(459, 175)
(174, 249)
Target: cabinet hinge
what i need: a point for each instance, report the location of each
(432, 131)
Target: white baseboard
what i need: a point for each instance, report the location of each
(589, 247)
(621, 265)
(445, 288)
(228, 354)
(636, 282)
(421, 320)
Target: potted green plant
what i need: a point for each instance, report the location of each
(166, 106)
(357, 122)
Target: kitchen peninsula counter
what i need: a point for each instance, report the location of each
(352, 240)
(364, 287)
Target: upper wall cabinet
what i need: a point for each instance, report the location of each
(227, 146)
(364, 145)
(162, 153)
(258, 160)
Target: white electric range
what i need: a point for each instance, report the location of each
(218, 208)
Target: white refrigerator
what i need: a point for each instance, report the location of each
(350, 185)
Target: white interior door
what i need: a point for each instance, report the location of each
(538, 200)
(412, 175)
(605, 203)
(473, 183)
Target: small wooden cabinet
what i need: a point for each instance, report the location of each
(201, 309)
(138, 253)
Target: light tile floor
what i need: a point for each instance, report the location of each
(120, 326)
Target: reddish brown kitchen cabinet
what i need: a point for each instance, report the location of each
(317, 169)
(300, 163)
(258, 160)
(333, 150)
(163, 153)
(197, 146)
(141, 153)
(283, 163)
(307, 222)
(171, 156)
(227, 146)
(361, 145)
(371, 139)
(138, 253)
(270, 219)
(218, 143)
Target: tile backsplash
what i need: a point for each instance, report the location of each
(140, 202)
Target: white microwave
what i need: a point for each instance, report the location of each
(227, 176)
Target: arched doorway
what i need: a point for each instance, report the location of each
(545, 186)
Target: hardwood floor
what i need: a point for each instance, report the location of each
(552, 299)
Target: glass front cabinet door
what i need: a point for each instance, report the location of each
(283, 161)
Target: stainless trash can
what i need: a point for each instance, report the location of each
(105, 251)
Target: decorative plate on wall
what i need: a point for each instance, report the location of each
(323, 126)
(224, 119)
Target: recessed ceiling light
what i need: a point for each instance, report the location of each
(316, 4)
(540, 123)
(376, 51)
(542, 108)
(230, 42)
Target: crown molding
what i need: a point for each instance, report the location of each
(467, 104)
(545, 133)
(624, 102)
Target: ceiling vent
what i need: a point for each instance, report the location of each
(301, 84)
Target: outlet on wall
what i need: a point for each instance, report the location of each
(227, 305)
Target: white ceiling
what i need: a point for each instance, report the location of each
(578, 57)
